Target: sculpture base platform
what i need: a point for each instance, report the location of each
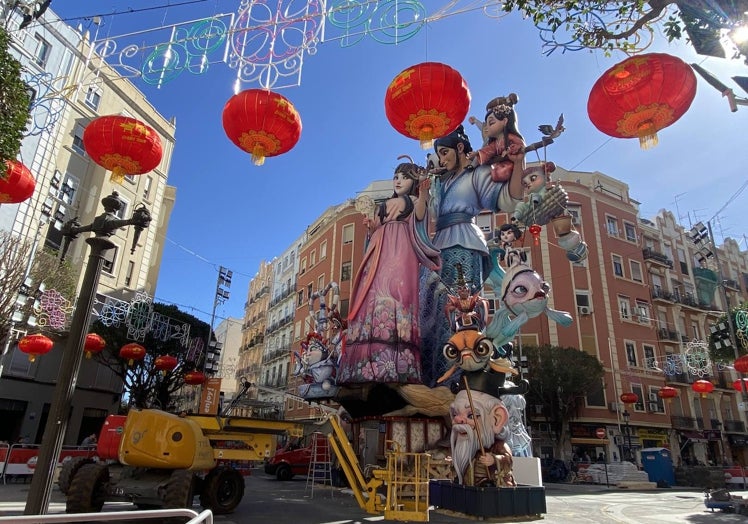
(487, 502)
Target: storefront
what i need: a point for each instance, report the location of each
(587, 444)
(693, 448)
(654, 438)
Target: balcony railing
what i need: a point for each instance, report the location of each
(660, 258)
(680, 422)
(736, 426)
(660, 294)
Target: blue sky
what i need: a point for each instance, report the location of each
(231, 213)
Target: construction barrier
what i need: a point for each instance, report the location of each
(20, 459)
(4, 450)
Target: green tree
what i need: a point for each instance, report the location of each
(144, 385)
(719, 350)
(14, 103)
(560, 378)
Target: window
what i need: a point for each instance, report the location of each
(323, 250)
(130, 270)
(68, 189)
(636, 270)
(300, 298)
(309, 291)
(78, 140)
(347, 234)
(122, 212)
(303, 266)
(618, 265)
(624, 307)
(321, 283)
(649, 357)
(631, 356)
(345, 272)
(93, 98)
(582, 298)
(630, 231)
(682, 260)
(312, 258)
(576, 213)
(41, 54)
(612, 225)
(654, 402)
(642, 312)
(637, 388)
(109, 258)
(130, 178)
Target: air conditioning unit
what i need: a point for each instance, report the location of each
(654, 407)
(584, 310)
(618, 440)
(653, 397)
(613, 406)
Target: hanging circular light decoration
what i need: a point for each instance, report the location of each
(703, 387)
(262, 123)
(122, 145)
(35, 345)
(741, 364)
(94, 344)
(16, 184)
(427, 101)
(132, 352)
(640, 96)
(194, 378)
(668, 393)
(629, 398)
(165, 363)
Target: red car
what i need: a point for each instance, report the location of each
(296, 457)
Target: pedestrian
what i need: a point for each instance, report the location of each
(89, 441)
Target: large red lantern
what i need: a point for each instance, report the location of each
(123, 145)
(427, 101)
(132, 352)
(667, 392)
(629, 398)
(165, 363)
(703, 387)
(641, 95)
(739, 384)
(16, 184)
(262, 123)
(35, 345)
(194, 378)
(94, 343)
(741, 364)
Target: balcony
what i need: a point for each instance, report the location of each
(660, 294)
(680, 422)
(661, 259)
(667, 334)
(734, 426)
(732, 284)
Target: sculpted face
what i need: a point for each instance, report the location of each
(494, 126)
(447, 158)
(525, 287)
(402, 184)
(533, 182)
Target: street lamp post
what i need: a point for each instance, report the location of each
(626, 416)
(103, 226)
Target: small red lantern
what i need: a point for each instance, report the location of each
(94, 343)
(641, 95)
(741, 364)
(262, 123)
(427, 101)
(668, 393)
(535, 230)
(35, 345)
(132, 352)
(629, 398)
(704, 387)
(194, 378)
(16, 184)
(123, 145)
(738, 385)
(165, 363)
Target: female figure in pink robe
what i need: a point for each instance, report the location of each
(384, 338)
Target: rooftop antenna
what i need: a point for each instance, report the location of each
(677, 210)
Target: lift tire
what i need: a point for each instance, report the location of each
(223, 490)
(284, 472)
(180, 489)
(88, 489)
(69, 470)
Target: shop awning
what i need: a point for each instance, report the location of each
(694, 436)
(590, 441)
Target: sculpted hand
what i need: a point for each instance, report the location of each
(487, 459)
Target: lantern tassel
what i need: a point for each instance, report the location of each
(258, 155)
(88, 354)
(647, 135)
(427, 137)
(32, 358)
(118, 175)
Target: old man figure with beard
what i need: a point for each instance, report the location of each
(480, 454)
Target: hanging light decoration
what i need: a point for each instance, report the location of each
(16, 184)
(262, 123)
(703, 387)
(94, 344)
(194, 378)
(668, 393)
(741, 364)
(35, 345)
(132, 352)
(427, 101)
(122, 145)
(629, 398)
(640, 96)
(165, 363)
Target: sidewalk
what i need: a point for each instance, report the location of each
(18, 491)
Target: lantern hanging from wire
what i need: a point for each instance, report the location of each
(427, 101)
(738, 385)
(194, 378)
(94, 344)
(262, 123)
(741, 364)
(629, 398)
(132, 352)
(165, 363)
(535, 230)
(667, 392)
(703, 387)
(35, 345)
(640, 96)
(16, 184)
(122, 145)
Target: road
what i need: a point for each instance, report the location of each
(268, 500)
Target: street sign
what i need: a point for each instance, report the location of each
(600, 432)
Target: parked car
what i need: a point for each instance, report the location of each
(296, 457)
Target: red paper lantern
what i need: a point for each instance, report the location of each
(262, 123)
(194, 378)
(629, 398)
(17, 184)
(535, 230)
(704, 387)
(94, 343)
(132, 352)
(35, 345)
(641, 95)
(738, 384)
(667, 392)
(741, 364)
(427, 101)
(165, 363)
(123, 145)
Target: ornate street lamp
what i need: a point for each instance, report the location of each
(103, 227)
(626, 416)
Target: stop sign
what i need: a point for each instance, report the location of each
(600, 432)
